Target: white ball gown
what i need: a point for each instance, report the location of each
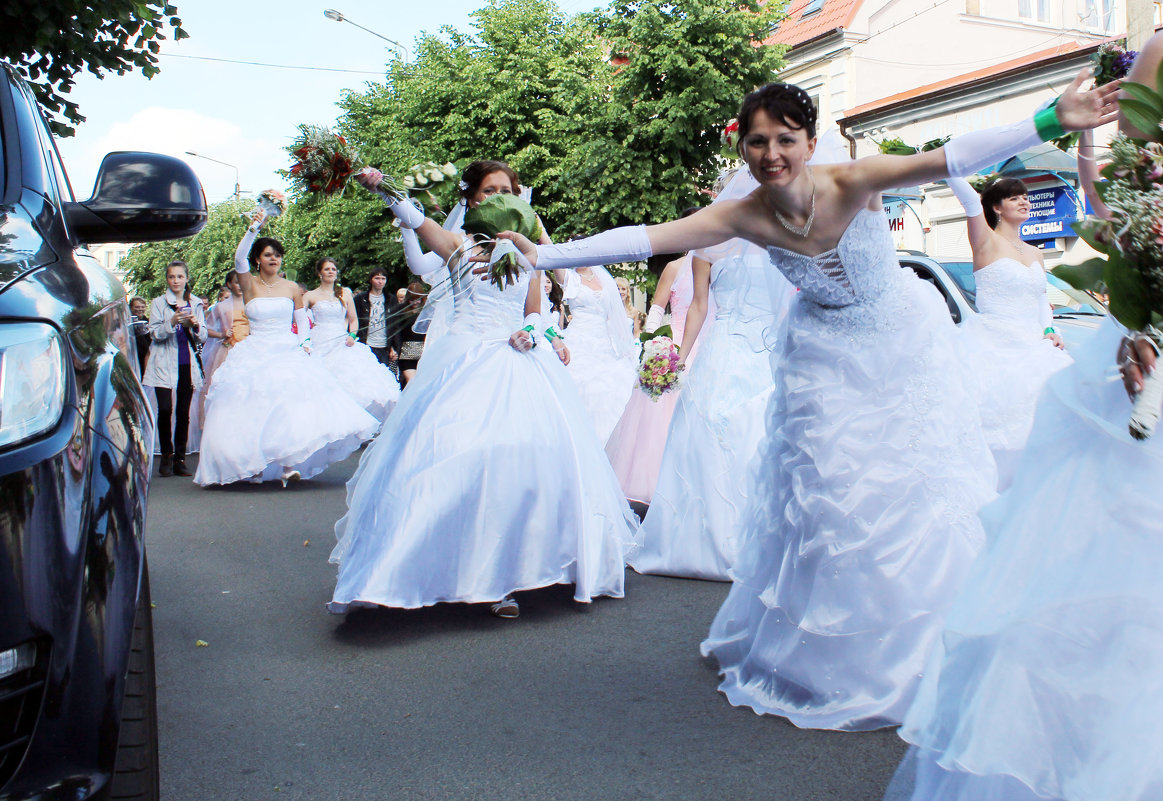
(870, 479)
(1009, 355)
(487, 478)
(693, 525)
(636, 445)
(271, 407)
(353, 367)
(1047, 681)
(603, 354)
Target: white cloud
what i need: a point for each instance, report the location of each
(175, 131)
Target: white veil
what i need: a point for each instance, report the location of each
(618, 329)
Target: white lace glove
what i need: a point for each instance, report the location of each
(628, 243)
(654, 319)
(967, 196)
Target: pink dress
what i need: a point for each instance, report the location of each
(635, 448)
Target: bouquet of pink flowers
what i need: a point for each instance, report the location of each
(659, 368)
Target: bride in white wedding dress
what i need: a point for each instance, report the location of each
(875, 464)
(1012, 345)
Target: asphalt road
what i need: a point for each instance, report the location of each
(286, 701)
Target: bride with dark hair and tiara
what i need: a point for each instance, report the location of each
(874, 465)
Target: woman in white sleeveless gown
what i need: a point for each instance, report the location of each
(874, 465)
(603, 351)
(487, 478)
(693, 526)
(1012, 345)
(351, 363)
(273, 412)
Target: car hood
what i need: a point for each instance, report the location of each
(22, 248)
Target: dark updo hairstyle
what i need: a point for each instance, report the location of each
(337, 289)
(998, 190)
(475, 174)
(261, 244)
(781, 101)
(186, 270)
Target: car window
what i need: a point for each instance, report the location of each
(962, 273)
(29, 124)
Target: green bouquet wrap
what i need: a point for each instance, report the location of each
(494, 215)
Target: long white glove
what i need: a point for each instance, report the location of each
(406, 212)
(976, 150)
(242, 254)
(967, 196)
(419, 263)
(628, 243)
(654, 319)
(303, 327)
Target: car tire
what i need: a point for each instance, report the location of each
(136, 775)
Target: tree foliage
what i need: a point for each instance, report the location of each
(50, 41)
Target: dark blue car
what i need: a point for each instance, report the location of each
(77, 705)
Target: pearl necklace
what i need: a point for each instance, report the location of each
(264, 282)
(790, 226)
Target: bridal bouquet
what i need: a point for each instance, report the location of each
(493, 215)
(272, 202)
(659, 369)
(324, 162)
(1132, 239)
(432, 184)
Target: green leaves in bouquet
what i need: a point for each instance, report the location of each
(661, 331)
(503, 213)
(1113, 276)
(1144, 108)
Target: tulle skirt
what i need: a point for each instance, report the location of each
(1047, 680)
(604, 380)
(864, 518)
(359, 373)
(487, 479)
(692, 527)
(1011, 362)
(636, 446)
(270, 408)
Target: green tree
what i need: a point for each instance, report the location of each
(50, 41)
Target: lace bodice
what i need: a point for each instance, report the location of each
(270, 318)
(1012, 290)
(479, 307)
(861, 267)
(330, 315)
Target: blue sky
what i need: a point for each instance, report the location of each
(246, 115)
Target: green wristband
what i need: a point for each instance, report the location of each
(1049, 330)
(1047, 124)
(551, 334)
(528, 329)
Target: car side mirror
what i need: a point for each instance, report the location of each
(139, 197)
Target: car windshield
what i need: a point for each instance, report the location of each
(1067, 300)
(962, 273)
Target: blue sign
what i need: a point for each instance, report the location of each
(1053, 210)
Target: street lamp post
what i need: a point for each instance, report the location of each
(225, 164)
(331, 13)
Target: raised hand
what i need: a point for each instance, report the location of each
(1079, 111)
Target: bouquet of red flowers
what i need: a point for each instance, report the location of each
(324, 162)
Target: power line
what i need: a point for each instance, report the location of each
(276, 66)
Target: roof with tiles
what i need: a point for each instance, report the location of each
(808, 19)
(1013, 65)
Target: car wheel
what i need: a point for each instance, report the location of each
(136, 773)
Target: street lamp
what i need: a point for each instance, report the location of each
(331, 13)
(224, 163)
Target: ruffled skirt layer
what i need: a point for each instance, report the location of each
(693, 526)
(359, 373)
(864, 517)
(487, 479)
(270, 408)
(1011, 363)
(1047, 678)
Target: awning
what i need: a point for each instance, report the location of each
(1039, 160)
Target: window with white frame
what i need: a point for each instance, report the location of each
(1099, 15)
(1035, 10)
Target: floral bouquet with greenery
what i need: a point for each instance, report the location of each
(730, 141)
(895, 146)
(1132, 239)
(325, 162)
(435, 186)
(659, 367)
(493, 215)
(1111, 62)
(272, 202)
